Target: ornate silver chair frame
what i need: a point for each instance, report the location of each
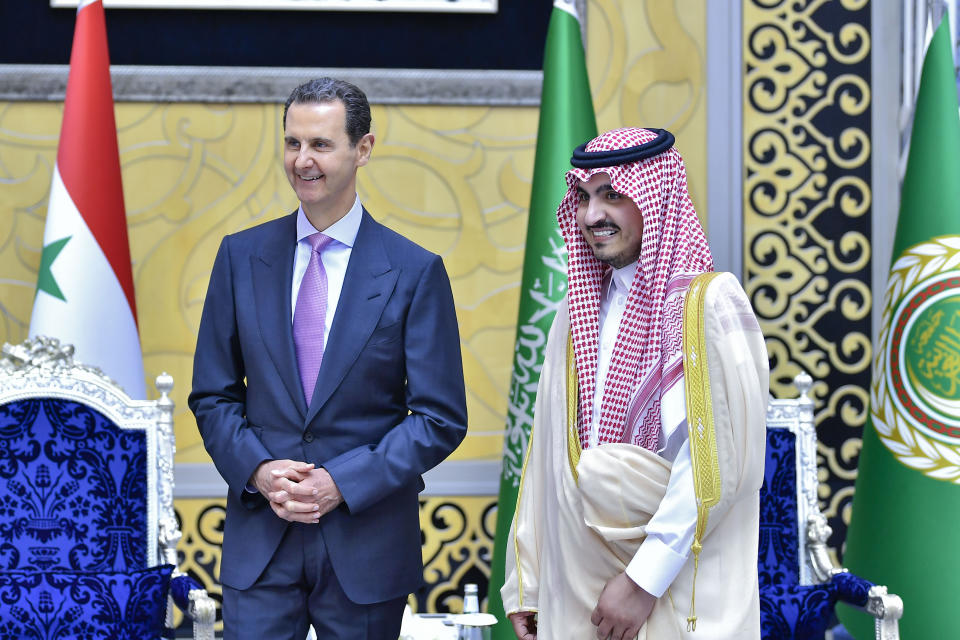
(816, 567)
(42, 367)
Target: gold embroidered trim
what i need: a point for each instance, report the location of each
(704, 456)
(516, 512)
(573, 396)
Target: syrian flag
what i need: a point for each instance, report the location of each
(85, 282)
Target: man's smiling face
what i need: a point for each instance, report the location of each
(610, 222)
(319, 159)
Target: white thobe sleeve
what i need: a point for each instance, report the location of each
(670, 531)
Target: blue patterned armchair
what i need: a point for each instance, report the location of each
(799, 585)
(88, 533)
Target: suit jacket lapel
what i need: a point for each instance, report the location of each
(272, 275)
(367, 285)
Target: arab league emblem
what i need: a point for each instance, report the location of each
(916, 391)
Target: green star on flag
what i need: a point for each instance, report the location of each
(45, 280)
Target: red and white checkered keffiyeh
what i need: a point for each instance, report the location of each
(647, 355)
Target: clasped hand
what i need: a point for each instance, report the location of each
(297, 491)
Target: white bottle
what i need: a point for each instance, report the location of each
(471, 604)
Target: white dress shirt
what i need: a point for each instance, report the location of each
(670, 531)
(335, 257)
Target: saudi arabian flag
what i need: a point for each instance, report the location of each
(906, 508)
(566, 120)
(85, 283)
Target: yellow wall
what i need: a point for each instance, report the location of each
(647, 66)
(455, 179)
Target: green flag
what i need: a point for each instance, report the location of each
(566, 120)
(906, 508)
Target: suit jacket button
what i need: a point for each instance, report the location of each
(308, 437)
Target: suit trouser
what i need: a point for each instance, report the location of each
(298, 588)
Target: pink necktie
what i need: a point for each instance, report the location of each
(310, 316)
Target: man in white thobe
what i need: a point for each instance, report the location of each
(630, 523)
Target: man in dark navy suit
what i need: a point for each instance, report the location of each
(327, 379)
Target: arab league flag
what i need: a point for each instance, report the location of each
(85, 283)
(906, 507)
(566, 120)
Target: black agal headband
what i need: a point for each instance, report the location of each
(583, 159)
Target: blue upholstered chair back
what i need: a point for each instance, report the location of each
(88, 533)
(778, 561)
(788, 497)
(73, 490)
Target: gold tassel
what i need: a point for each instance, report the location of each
(692, 618)
(696, 548)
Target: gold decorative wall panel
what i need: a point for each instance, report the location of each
(200, 547)
(807, 203)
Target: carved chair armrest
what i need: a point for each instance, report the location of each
(203, 611)
(193, 600)
(886, 608)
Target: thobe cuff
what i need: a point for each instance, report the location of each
(655, 566)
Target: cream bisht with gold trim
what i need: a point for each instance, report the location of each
(581, 514)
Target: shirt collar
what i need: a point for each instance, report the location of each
(621, 279)
(343, 230)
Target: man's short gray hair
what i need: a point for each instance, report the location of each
(325, 90)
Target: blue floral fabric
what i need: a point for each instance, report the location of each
(789, 611)
(83, 605)
(72, 489)
(777, 562)
(793, 612)
(852, 589)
